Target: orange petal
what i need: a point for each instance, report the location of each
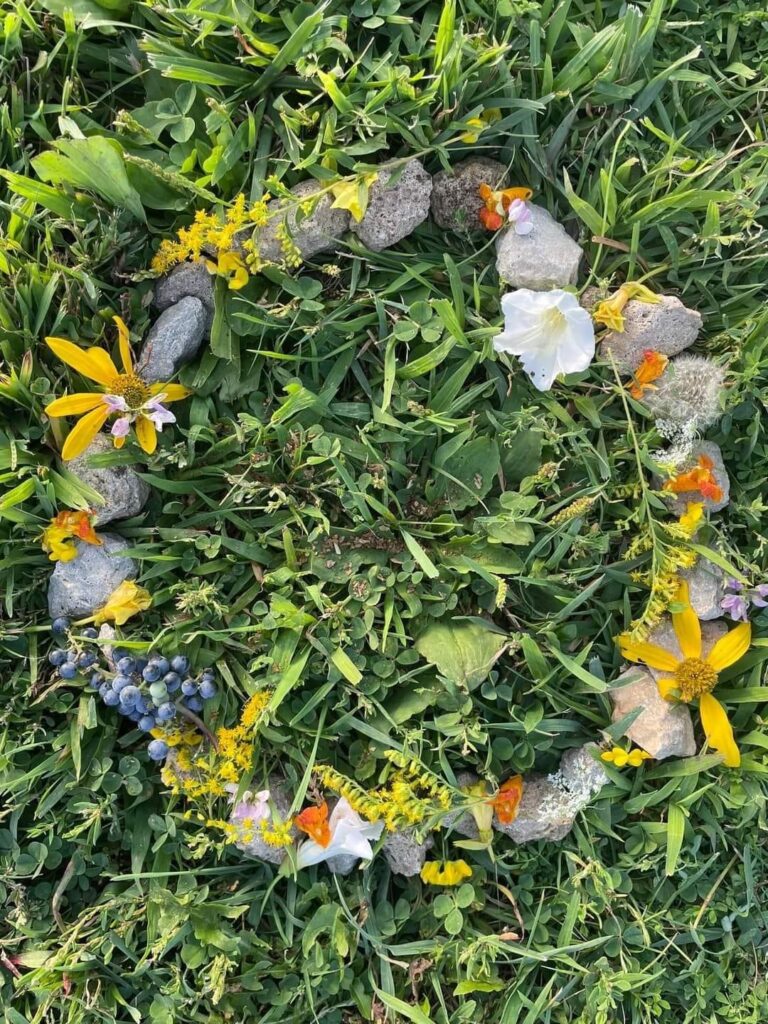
(83, 432)
(314, 821)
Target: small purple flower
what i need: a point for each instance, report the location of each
(761, 600)
(732, 584)
(735, 606)
(520, 217)
(115, 403)
(121, 426)
(154, 410)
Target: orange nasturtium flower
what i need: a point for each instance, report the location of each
(700, 478)
(649, 370)
(495, 210)
(694, 676)
(507, 800)
(314, 821)
(65, 528)
(135, 402)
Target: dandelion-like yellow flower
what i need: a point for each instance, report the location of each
(694, 677)
(135, 402)
(447, 872)
(619, 758)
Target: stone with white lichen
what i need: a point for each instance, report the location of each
(123, 490)
(456, 202)
(405, 853)
(689, 394)
(77, 588)
(316, 229)
(662, 728)
(398, 201)
(711, 451)
(550, 803)
(706, 588)
(546, 258)
(666, 326)
(173, 340)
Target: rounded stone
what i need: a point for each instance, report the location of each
(189, 279)
(77, 588)
(124, 492)
(315, 231)
(396, 209)
(456, 202)
(662, 728)
(173, 340)
(679, 502)
(666, 326)
(404, 853)
(706, 588)
(546, 258)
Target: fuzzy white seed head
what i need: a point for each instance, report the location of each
(688, 393)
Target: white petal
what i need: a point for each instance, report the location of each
(541, 367)
(525, 228)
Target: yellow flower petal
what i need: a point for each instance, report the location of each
(94, 363)
(650, 654)
(146, 434)
(731, 647)
(687, 626)
(124, 343)
(718, 729)
(74, 405)
(450, 872)
(83, 432)
(666, 687)
(172, 392)
(117, 441)
(128, 599)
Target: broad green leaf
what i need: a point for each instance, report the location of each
(95, 164)
(464, 652)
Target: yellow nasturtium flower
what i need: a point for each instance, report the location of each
(694, 676)
(63, 530)
(124, 602)
(481, 123)
(691, 518)
(448, 872)
(352, 194)
(609, 312)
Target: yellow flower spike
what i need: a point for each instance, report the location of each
(694, 675)
(449, 872)
(127, 600)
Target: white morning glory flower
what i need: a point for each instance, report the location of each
(549, 331)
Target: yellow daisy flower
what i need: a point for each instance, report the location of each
(694, 677)
(135, 402)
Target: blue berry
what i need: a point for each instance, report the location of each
(180, 664)
(104, 689)
(194, 703)
(72, 656)
(123, 709)
(96, 681)
(68, 670)
(141, 705)
(129, 695)
(60, 625)
(151, 673)
(162, 664)
(172, 681)
(57, 657)
(111, 699)
(135, 716)
(90, 632)
(126, 665)
(157, 750)
(86, 659)
(120, 682)
(146, 723)
(207, 689)
(189, 687)
(166, 712)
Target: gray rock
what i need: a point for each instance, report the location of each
(107, 635)
(706, 588)
(456, 202)
(663, 728)
(124, 492)
(79, 587)
(546, 258)
(664, 636)
(461, 821)
(191, 278)
(314, 232)
(404, 853)
(666, 326)
(173, 340)
(343, 863)
(394, 211)
(679, 502)
(257, 847)
(550, 803)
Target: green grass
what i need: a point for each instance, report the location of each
(331, 407)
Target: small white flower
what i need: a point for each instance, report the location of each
(349, 835)
(549, 331)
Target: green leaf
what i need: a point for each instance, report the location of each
(464, 652)
(346, 666)
(675, 835)
(95, 164)
(466, 476)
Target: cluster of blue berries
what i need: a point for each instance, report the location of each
(147, 691)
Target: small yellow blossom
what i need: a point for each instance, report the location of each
(609, 312)
(691, 518)
(448, 872)
(352, 195)
(619, 758)
(487, 117)
(230, 266)
(123, 603)
(65, 528)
